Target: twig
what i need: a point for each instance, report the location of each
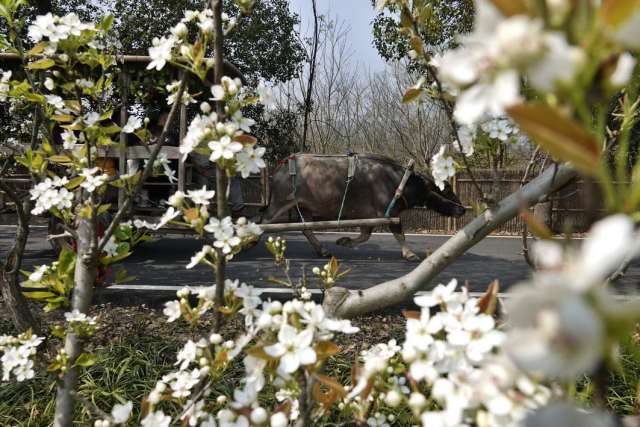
(64, 235)
(147, 170)
(195, 399)
(448, 108)
(525, 229)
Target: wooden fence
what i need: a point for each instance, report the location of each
(566, 211)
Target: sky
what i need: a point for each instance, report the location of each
(358, 14)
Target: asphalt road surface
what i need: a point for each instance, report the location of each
(162, 262)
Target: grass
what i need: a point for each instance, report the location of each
(135, 347)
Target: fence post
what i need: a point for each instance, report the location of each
(452, 223)
(122, 155)
(183, 133)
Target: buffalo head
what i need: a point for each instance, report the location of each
(444, 201)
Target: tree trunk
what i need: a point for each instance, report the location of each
(341, 302)
(312, 75)
(85, 275)
(14, 302)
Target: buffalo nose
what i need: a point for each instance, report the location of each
(459, 211)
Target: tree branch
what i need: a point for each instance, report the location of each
(147, 170)
(222, 181)
(341, 302)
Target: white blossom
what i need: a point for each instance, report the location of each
(198, 257)
(250, 160)
(91, 181)
(293, 348)
(202, 196)
(243, 123)
(37, 275)
(121, 413)
(160, 52)
(266, 95)
(133, 123)
(69, 139)
(442, 167)
(220, 228)
(172, 310)
(111, 247)
(558, 66)
(223, 148)
(555, 333)
(76, 316)
(624, 70)
(489, 98)
(177, 199)
(156, 419)
(4, 85)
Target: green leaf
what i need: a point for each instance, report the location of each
(46, 146)
(559, 135)
(36, 50)
(122, 277)
(108, 260)
(105, 23)
(75, 182)
(511, 7)
(63, 118)
(38, 295)
(104, 208)
(411, 95)
(86, 360)
(42, 64)
(616, 12)
(66, 261)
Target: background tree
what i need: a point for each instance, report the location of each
(264, 46)
(448, 18)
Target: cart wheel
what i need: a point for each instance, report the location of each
(55, 227)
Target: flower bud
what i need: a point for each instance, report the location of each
(221, 400)
(259, 415)
(215, 339)
(279, 419)
(417, 401)
(393, 398)
(180, 30)
(205, 107)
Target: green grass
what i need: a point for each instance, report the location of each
(622, 395)
(134, 352)
(126, 370)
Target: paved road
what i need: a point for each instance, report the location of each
(162, 262)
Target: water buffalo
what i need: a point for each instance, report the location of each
(320, 182)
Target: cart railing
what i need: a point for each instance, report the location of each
(142, 152)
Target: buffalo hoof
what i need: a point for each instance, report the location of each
(345, 241)
(410, 256)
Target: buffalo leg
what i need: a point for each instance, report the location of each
(407, 254)
(365, 234)
(269, 217)
(320, 250)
